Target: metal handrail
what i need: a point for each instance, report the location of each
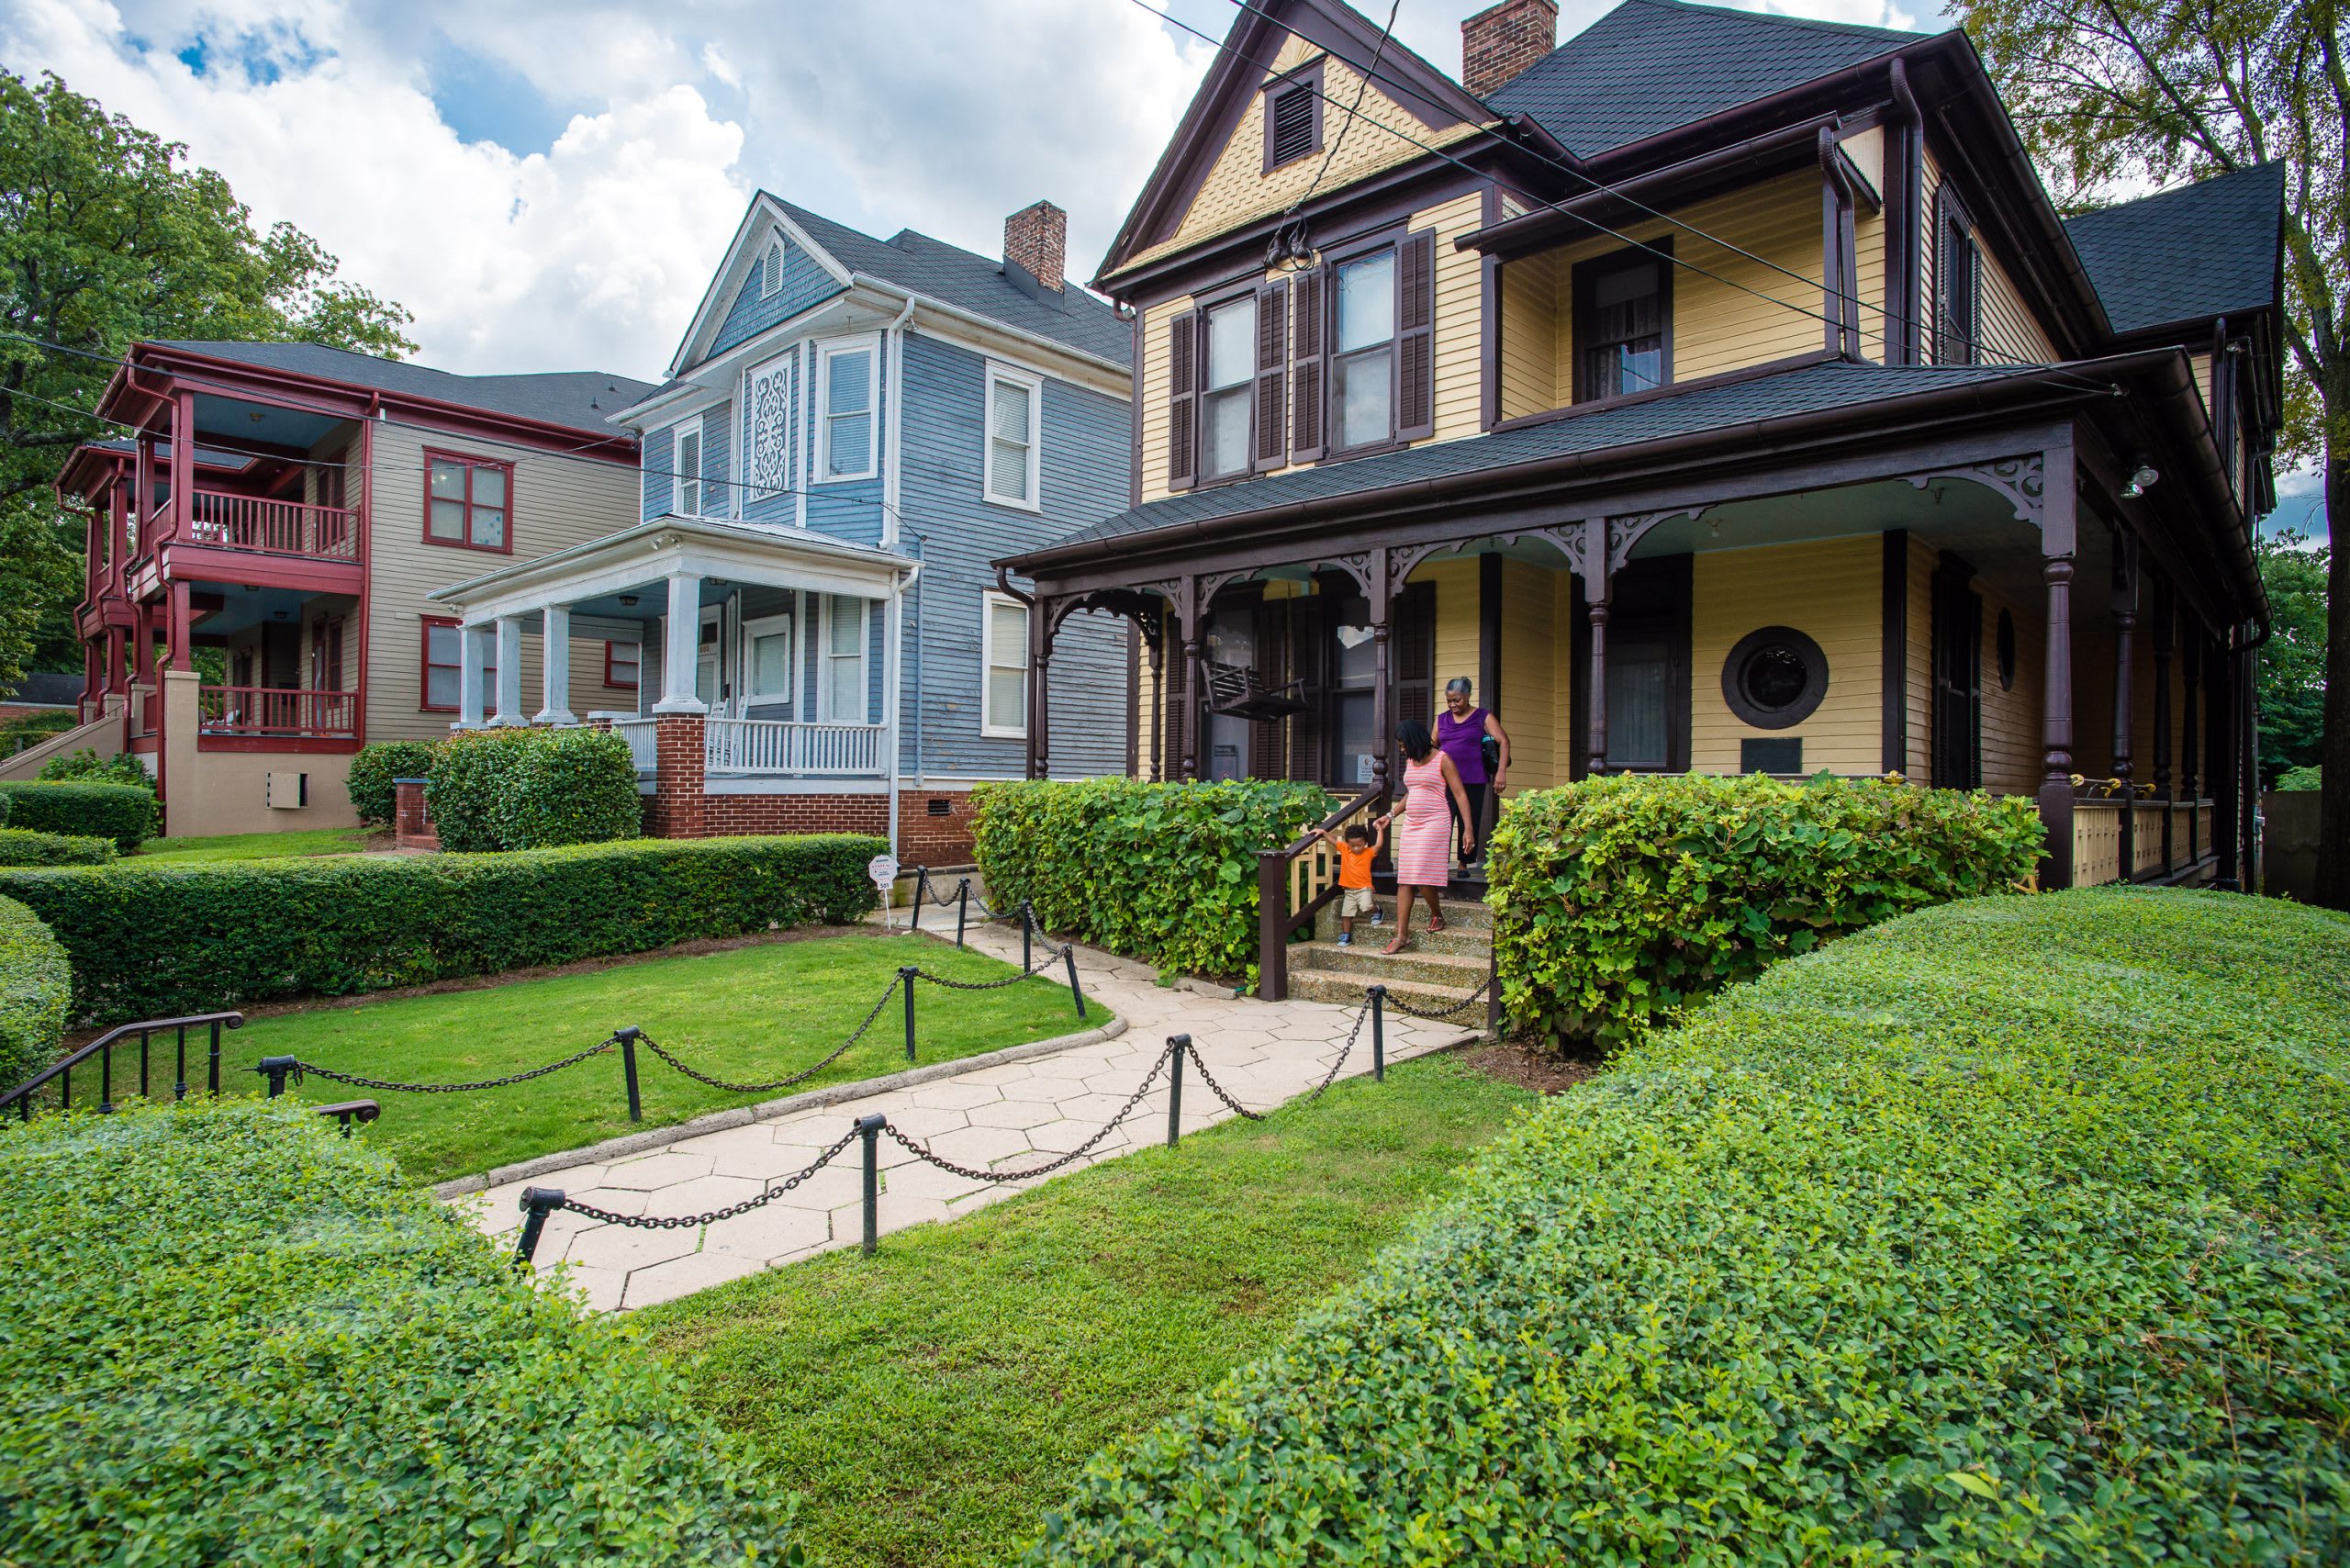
(21, 1096)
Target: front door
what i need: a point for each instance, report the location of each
(1958, 676)
(707, 687)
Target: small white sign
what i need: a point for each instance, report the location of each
(883, 869)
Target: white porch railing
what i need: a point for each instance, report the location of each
(642, 742)
(777, 746)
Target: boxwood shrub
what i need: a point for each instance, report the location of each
(235, 1338)
(2009, 1231)
(531, 789)
(1616, 899)
(124, 812)
(23, 847)
(376, 766)
(35, 986)
(1165, 872)
(225, 932)
(86, 767)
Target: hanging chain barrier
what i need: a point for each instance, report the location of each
(1475, 998)
(540, 1202)
(278, 1069)
(801, 1077)
(973, 1173)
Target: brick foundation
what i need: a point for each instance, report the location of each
(927, 840)
(723, 815)
(411, 818)
(677, 808)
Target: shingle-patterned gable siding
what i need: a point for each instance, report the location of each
(1651, 65)
(1084, 462)
(803, 284)
(2188, 254)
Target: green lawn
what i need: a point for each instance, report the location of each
(750, 1013)
(933, 1402)
(300, 843)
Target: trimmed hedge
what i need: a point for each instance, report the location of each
(1618, 899)
(23, 847)
(376, 766)
(35, 986)
(521, 789)
(84, 767)
(234, 1336)
(220, 934)
(128, 813)
(1165, 872)
(2011, 1231)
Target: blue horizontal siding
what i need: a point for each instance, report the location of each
(804, 284)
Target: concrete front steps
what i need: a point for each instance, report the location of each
(1439, 969)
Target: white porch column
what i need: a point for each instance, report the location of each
(554, 668)
(682, 647)
(469, 692)
(510, 673)
(892, 709)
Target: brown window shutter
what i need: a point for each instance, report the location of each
(1306, 635)
(1416, 336)
(1307, 376)
(1182, 400)
(1272, 374)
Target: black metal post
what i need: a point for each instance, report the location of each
(628, 1038)
(962, 909)
(143, 1064)
(275, 1068)
(537, 1203)
(1181, 1045)
(921, 885)
(212, 1072)
(1068, 955)
(179, 1066)
(870, 1129)
(906, 978)
(106, 1081)
(1379, 1034)
(1027, 936)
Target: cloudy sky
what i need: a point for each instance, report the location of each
(550, 186)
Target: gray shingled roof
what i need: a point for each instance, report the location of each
(970, 282)
(1651, 65)
(582, 400)
(2187, 255)
(1804, 389)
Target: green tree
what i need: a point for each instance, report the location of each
(108, 236)
(2290, 684)
(2112, 91)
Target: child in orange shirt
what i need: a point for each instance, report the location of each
(1356, 852)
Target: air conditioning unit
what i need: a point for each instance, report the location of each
(288, 791)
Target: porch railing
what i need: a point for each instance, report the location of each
(276, 712)
(272, 527)
(644, 743)
(1293, 884)
(782, 745)
(2097, 839)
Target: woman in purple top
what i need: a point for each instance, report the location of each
(1461, 732)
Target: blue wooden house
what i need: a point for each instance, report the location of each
(851, 432)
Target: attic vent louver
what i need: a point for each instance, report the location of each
(771, 270)
(1292, 112)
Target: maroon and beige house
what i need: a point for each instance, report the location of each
(293, 506)
(1717, 390)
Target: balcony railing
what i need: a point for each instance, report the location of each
(272, 527)
(777, 746)
(276, 713)
(644, 742)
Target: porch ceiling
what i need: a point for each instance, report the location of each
(232, 419)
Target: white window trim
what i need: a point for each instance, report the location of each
(824, 655)
(1035, 387)
(988, 726)
(755, 627)
(868, 344)
(677, 480)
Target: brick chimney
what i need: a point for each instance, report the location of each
(1502, 41)
(1035, 240)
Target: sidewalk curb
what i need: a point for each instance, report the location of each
(771, 1110)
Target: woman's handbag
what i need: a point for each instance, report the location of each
(1492, 749)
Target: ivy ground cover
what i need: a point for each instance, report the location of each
(2008, 1231)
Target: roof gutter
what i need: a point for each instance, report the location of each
(1123, 373)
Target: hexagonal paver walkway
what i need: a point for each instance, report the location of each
(1009, 1116)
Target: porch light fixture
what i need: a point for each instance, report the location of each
(2142, 479)
(628, 601)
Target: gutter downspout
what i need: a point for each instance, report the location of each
(1905, 286)
(893, 406)
(893, 711)
(893, 411)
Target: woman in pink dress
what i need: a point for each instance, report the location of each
(1423, 838)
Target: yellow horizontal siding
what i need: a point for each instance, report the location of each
(1459, 318)
(1530, 336)
(1531, 703)
(1457, 641)
(1831, 592)
(1917, 667)
(2011, 737)
(1153, 456)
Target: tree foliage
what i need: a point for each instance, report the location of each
(107, 236)
(2289, 685)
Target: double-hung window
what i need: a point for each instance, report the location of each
(1623, 338)
(1362, 357)
(1228, 390)
(1958, 283)
(846, 434)
(767, 648)
(445, 666)
(686, 449)
(1004, 701)
(841, 686)
(624, 664)
(1015, 410)
(466, 501)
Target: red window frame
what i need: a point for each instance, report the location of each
(637, 677)
(425, 666)
(470, 463)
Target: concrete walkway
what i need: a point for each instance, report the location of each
(1008, 1116)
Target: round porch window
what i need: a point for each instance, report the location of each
(1776, 677)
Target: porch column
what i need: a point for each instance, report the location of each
(2190, 671)
(142, 487)
(183, 658)
(1040, 660)
(1383, 694)
(508, 628)
(142, 656)
(681, 646)
(1189, 615)
(2166, 612)
(554, 668)
(2220, 693)
(1155, 641)
(1598, 587)
(118, 677)
(469, 672)
(183, 467)
(2056, 726)
(2125, 625)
